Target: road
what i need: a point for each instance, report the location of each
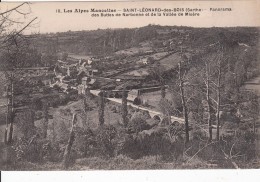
(151, 112)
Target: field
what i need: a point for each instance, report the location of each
(77, 56)
(254, 84)
(153, 98)
(171, 61)
(142, 48)
(139, 72)
(159, 55)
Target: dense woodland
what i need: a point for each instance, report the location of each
(59, 130)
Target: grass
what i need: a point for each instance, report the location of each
(119, 163)
(153, 98)
(139, 72)
(159, 55)
(170, 61)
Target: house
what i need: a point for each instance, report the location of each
(90, 61)
(92, 72)
(149, 51)
(93, 82)
(87, 81)
(47, 81)
(147, 60)
(134, 96)
(82, 89)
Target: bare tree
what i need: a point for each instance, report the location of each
(45, 119)
(66, 156)
(218, 97)
(207, 82)
(212, 80)
(12, 43)
(184, 111)
(216, 86)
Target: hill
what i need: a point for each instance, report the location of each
(108, 41)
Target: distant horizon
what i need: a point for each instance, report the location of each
(178, 26)
(54, 17)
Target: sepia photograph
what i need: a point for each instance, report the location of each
(129, 85)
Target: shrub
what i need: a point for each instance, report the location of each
(120, 162)
(28, 149)
(137, 124)
(38, 115)
(25, 124)
(150, 143)
(105, 138)
(114, 109)
(36, 104)
(84, 142)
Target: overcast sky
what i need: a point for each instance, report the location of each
(244, 13)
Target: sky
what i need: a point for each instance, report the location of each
(244, 13)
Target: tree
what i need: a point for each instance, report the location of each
(209, 104)
(64, 56)
(215, 82)
(101, 108)
(66, 156)
(124, 107)
(156, 72)
(184, 107)
(218, 95)
(163, 91)
(45, 119)
(12, 47)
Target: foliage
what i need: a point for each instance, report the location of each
(101, 109)
(120, 162)
(84, 143)
(105, 138)
(124, 108)
(137, 123)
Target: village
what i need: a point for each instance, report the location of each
(153, 97)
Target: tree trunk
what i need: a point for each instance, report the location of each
(218, 101)
(124, 108)
(101, 109)
(163, 92)
(85, 104)
(7, 119)
(208, 103)
(185, 113)
(66, 156)
(10, 134)
(45, 121)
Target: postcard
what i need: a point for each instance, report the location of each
(130, 85)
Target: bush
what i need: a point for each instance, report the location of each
(114, 109)
(38, 115)
(105, 140)
(120, 162)
(84, 142)
(150, 143)
(25, 124)
(137, 124)
(28, 149)
(36, 104)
